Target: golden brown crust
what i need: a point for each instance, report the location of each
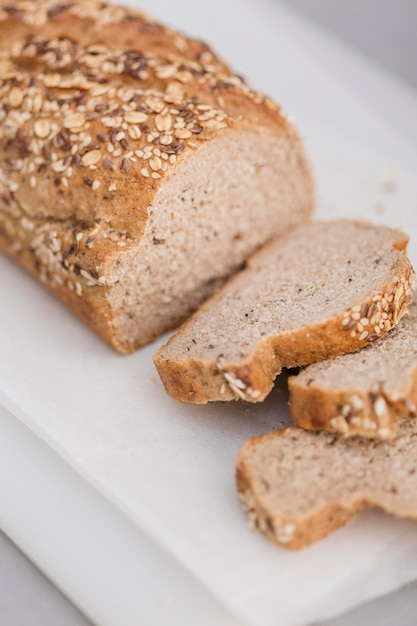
(99, 105)
(201, 381)
(352, 411)
(95, 22)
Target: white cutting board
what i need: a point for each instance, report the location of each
(170, 468)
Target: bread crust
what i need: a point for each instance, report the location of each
(95, 22)
(200, 381)
(321, 409)
(88, 139)
(370, 412)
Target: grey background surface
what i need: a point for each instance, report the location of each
(384, 30)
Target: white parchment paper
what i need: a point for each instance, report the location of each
(170, 467)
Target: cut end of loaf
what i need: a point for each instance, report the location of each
(351, 282)
(204, 223)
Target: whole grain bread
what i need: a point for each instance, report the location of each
(307, 296)
(137, 171)
(298, 486)
(88, 22)
(365, 393)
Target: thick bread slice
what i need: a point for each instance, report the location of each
(305, 297)
(298, 486)
(365, 393)
(134, 181)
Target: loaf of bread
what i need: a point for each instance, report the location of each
(307, 296)
(137, 171)
(298, 486)
(365, 393)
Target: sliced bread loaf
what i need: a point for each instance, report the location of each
(307, 296)
(298, 486)
(363, 393)
(137, 172)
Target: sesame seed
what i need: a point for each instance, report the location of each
(346, 410)
(145, 172)
(380, 407)
(85, 274)
(96, 185)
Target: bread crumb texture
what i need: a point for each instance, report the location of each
(324, 289)
(298, 486)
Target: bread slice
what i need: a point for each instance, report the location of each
(308, 296)
(365, 393)
(137, 172)
(298, 486)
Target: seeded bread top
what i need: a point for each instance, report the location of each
(107, 126)
(89, 22)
